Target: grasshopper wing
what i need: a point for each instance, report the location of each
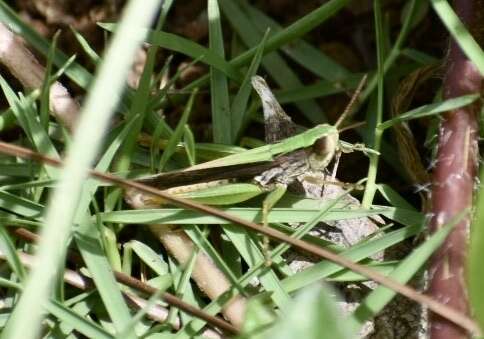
(196, 176)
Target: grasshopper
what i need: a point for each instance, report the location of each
(285, 159)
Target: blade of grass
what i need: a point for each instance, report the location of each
(88, 50)
(44, 95)
(182, 284)
(149, 257)
(239, 103)
(419, 56)
(81, 324)
(200, 239)
(20, 206)
(370, 187)
(181, 216)
(8, 249)
(178, 133)
(95, 117)
(88, 236)
(23, 111)
(190, 145)
(219, 91)
(431, 109)
(251, 253)
(385, 268)
(476, 249)
(295, 30)
(460, 33)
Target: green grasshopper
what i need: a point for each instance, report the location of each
(286, 159)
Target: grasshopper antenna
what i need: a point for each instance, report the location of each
(352, 102)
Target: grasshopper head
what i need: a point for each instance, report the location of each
(323, 151)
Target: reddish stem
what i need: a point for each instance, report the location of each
(453, 184)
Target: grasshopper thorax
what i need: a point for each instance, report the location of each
(323, 151)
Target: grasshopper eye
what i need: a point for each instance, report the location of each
(326, 145)
(323, 151)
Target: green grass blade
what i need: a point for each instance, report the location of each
(178, 133)
(18, 170)
(419, 56)
(44, 95)
(219, 91)
(200, 239)
(277, 215)
(78, 322)
(97, 111)
(190, 145)
(239, 103)
(476, 253)
(91, 185)
(149, 257)
(393, 197)
(88, 50)
(431, 109)
(7, 248)
(89, 234)
(459, 32)
(21, 206)
(7, 120)
(89, 244)
(23, 111)
(370, 187)
(251, 253)
(385, 268)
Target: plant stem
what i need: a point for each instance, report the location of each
(453, 183)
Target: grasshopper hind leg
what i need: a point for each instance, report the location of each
(269, 202)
